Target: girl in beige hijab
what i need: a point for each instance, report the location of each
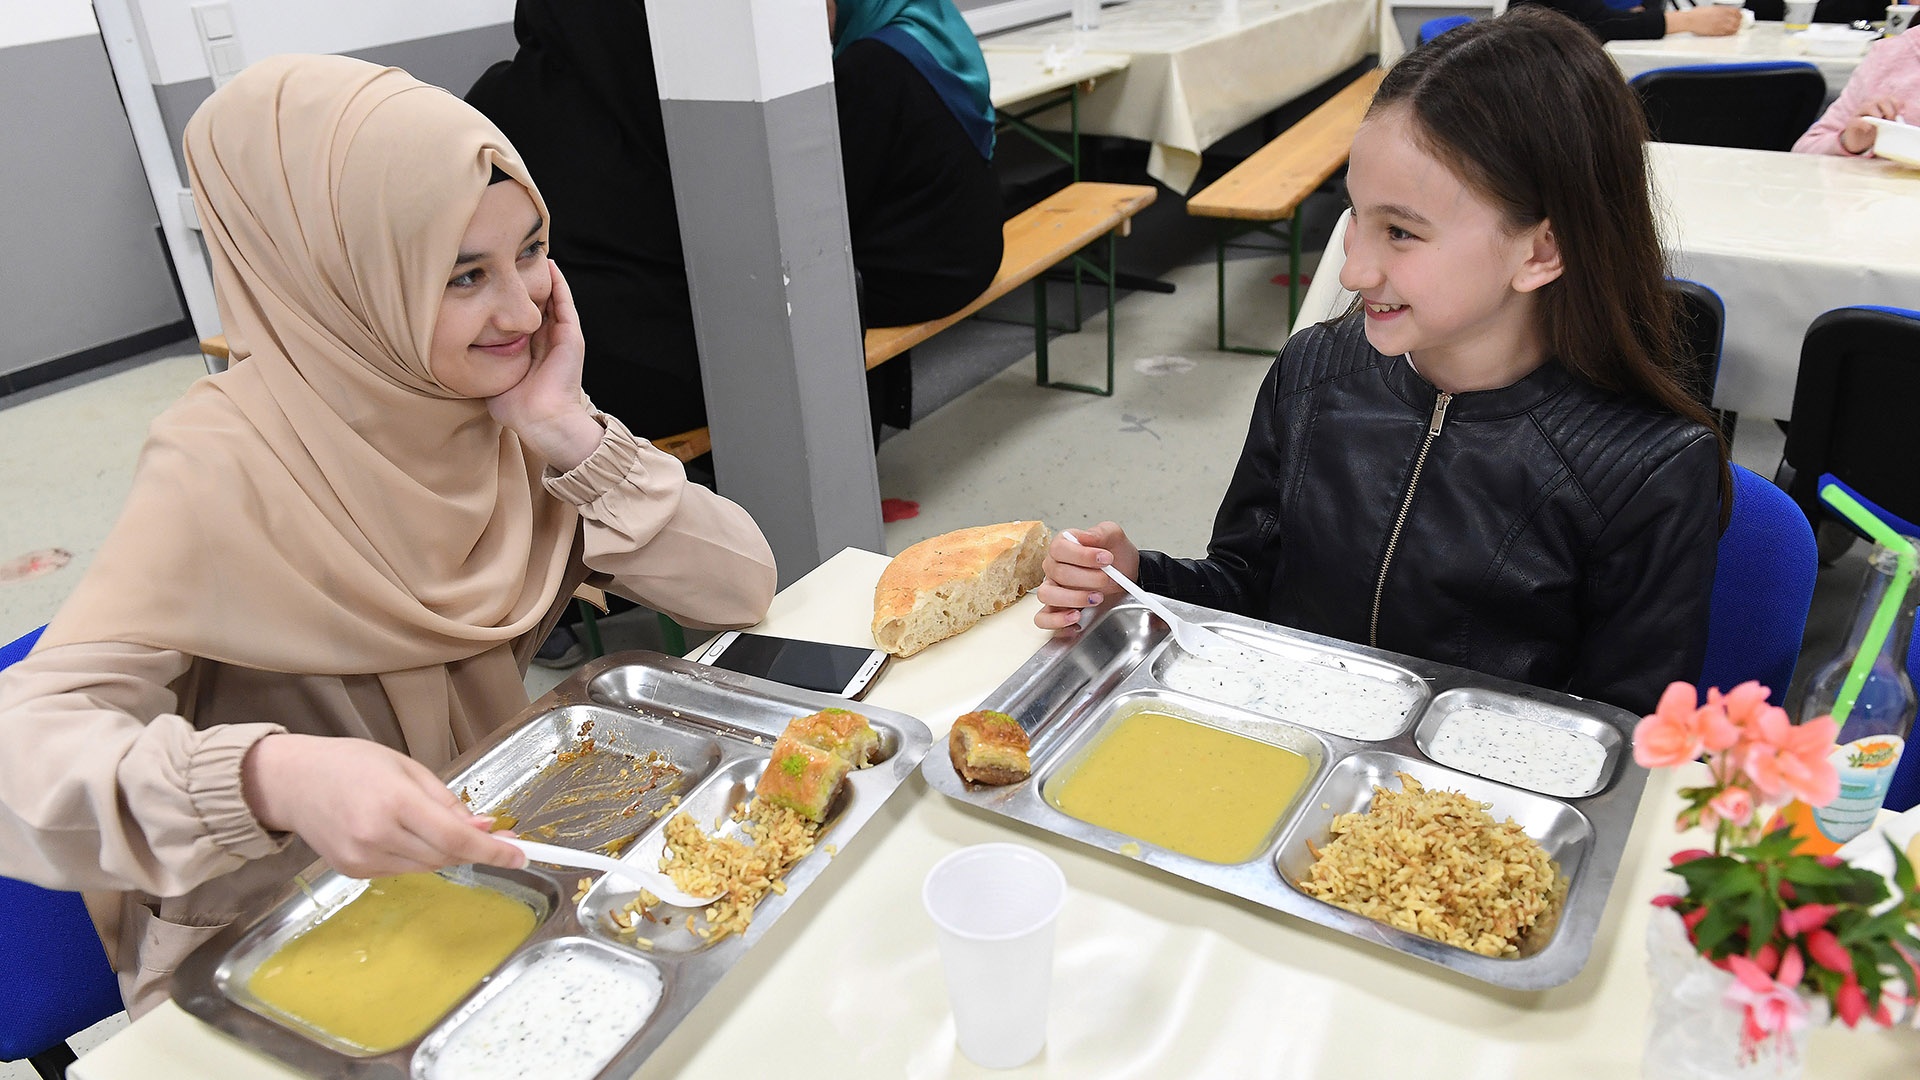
(340, 553)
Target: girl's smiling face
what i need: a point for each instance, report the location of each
(1441, 274)
(495, 298)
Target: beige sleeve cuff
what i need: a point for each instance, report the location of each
(612, 464)
(215, 792)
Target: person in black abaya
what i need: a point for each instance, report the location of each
(580, 102)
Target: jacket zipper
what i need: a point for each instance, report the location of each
(1406, 504)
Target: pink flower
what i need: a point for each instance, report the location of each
(1731, 714)
(1682, 857)
(1850, 1001)
(1666, 900)
(1826, 950)
(1734, 804)
(1670, 735)
(1772, 1005)
(1783, 758)
(1806, 917)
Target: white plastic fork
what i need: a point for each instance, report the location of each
(653, 881)
(1191, 636)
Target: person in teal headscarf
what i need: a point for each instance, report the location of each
(916, 146)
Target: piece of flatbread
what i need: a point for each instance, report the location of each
(943, 585)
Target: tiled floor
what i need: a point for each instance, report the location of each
(1156, 456)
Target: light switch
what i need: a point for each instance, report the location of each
(227, 60)
(216, 21)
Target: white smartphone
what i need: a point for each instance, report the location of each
(810, 665)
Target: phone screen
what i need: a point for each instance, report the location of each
(810, 665)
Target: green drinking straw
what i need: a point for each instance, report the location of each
(1882, 623)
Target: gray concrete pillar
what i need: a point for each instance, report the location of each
(746, 92)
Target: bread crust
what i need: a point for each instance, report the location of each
(989, 747)
(938, 587)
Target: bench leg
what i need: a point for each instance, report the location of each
(1108, 276)
(1223, 240)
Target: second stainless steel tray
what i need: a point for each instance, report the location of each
(710, 731)
(1073, 686)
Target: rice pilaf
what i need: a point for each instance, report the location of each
(702, 864)
(1436, 863)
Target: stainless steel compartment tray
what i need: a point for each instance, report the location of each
(703, 720)
(1073, 684)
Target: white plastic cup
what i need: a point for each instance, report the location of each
(994, 908)
(1899, 18)
(1799, 14)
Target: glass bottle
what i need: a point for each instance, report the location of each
(1868, 747)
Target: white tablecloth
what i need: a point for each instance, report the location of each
(1017, 75)
(1153, 976)
(1781, 237)
(1199, 70)
(1761, 41)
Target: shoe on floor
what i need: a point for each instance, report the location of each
(562, 649)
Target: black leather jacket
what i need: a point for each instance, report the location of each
(1547, 532)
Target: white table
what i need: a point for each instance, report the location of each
(1027, 82)
(1200, 69)
(1018, 75)
(1759, 42)
(1782, 238)
(1154, 977)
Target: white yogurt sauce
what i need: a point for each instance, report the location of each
(1325, 696)
(566, 1015)
(1520, 751)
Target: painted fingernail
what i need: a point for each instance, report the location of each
(1103, 558)
(1093, 598)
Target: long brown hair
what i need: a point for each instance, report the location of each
(1533, 116)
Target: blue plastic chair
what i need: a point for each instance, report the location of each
(1433, 28)
(54, 977)
(1905, 792)
(1758, 106)
(1762, 589)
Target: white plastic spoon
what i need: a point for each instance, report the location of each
(653, 881)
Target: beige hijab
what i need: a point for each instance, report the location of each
(326, 506)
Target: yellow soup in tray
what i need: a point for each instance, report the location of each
(378, 972)
(1183, 785)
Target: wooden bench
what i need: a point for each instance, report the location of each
(1270, 185)
(1037, 239)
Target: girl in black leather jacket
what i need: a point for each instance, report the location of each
(1490, 462)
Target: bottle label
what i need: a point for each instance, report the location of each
(1866, 769)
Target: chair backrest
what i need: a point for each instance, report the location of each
(1854, 403)
(1762, 589)
(1703, 320)
(54, 977)
(1433, 28)
(1764, 106)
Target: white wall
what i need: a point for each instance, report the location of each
(29, 22)
(267, 27)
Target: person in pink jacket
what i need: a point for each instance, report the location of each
(1885, 84)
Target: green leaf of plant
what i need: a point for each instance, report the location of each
(1716, 928)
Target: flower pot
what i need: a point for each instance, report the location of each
(1693, 1032)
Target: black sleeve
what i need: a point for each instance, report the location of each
(1237, 574)
(1612, 24)
(1651, 583)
